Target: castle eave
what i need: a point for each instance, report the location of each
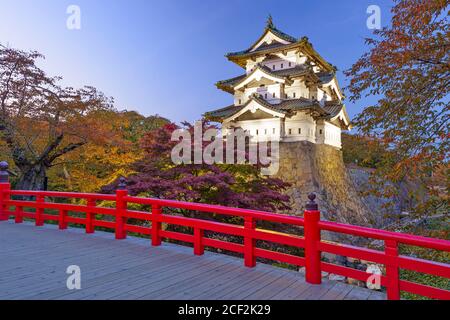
(284, 75)
(240, 58)
(222, 113)
(286, 107)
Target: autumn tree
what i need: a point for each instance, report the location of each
(41, 121)
(135, 126)
(408, 69)
(234, 185)
(364, 151)
(105, 157)
(231, 185)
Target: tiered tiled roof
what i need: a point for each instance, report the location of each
(285, 106)
(222, 113)
(333, 108)
(273, 45)
(281, 43)
(240, 57)
(299, 104)
(228, 85)
(325, 77)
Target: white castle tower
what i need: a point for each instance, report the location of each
(288, 92)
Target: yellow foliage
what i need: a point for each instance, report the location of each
(93, 167)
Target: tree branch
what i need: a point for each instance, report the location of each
(52, 146)
(64, 150)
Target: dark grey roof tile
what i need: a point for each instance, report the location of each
(275, 31)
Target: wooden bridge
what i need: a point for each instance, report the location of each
(34, 258)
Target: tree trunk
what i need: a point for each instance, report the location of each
(32, 177)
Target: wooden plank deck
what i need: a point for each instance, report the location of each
(33, 263)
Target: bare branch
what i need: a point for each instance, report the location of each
(65, 150)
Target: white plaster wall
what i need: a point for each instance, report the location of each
(319, 94)
(299, 88)
(279, 64)
(302, 122)
(328, 133)
(239, 98)
(304, 90)
(267, 128)
(274, 93)
(291, 57)
(270, 90)
(332, 135)
(287, 130)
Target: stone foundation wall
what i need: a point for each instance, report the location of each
(320, 169)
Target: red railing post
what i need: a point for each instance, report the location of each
(121, 206)
(156, 225)
(62, 219)
(199, 248)
(19, 214)
(39, 211)
(392, 270)
(90, 216)
(249, 242)
(313, 272)
(5, 187)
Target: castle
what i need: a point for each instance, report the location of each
(288, 93)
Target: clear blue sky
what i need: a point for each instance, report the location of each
(163, 57)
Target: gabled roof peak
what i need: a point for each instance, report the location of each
(270, 27)
(276, 42)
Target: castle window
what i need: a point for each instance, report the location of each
(293, 95)
(320, 131)
(290, 131)
(299, 130)
(257, 131)
(273, 67)
(273, 95)
(240, 101)
(265, 95)
(282, 66)
(290, 64)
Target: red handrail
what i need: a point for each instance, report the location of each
(310, 242)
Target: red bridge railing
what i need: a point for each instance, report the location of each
(311, 240)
